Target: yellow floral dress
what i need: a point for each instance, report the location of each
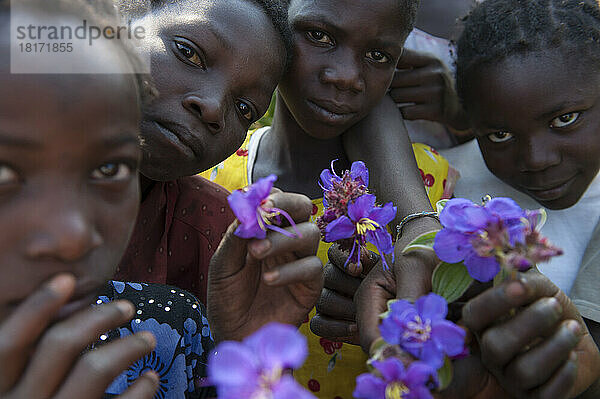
(331, 367)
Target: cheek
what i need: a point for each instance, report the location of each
(503, 163)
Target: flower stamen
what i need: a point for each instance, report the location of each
(396, 390)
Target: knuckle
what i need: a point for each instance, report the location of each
(492, 350)
(96, 364)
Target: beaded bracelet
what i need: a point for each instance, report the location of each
(413, 216)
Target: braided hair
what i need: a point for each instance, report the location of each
(276, 11)
(498, 29)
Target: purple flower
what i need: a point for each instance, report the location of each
(250, 207)
(396, 382)
(488, 237)
(338, 191)
(365, 222)
(474, 234)
(422, 329)
(255, 367)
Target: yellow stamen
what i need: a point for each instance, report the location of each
(396, 390)
(366, 224)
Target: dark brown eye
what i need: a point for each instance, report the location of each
(112, 171)
(245, 110)
(499, 137)
(377, 56)
(320, 37)
(565, 120)
(187, 51)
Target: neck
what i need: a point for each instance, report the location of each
(294, 156)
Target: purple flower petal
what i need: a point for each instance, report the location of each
(244, 210)
(361, 207)
(432, 354)
(505, 208)
(391, 369)
(278, 346)
(432, 307)
(326, 178)
(341, 227)
(381, 239)
(359, 170)
(451, 246)
(233, 365)
(369, 387)
(261, 189)
(383, 215)
(250, 230)
(419, 373)
(288, 388)
(450, 336)
(461, 214)
(482, 269)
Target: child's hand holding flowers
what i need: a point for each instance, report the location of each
(274, 278)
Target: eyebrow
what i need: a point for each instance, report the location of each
(312, 17)
(120, 140)
(12, 141)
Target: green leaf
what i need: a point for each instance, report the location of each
(502, 276)
(451, 280)
(440, 205)
(445, 374)
(424, 241)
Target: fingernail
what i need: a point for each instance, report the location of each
(125, 307)
(271, 276)
(515, 289)
(62, 284)
(152, 375)
(147, 337)
(352, 328)
(573, 356)
(260, 247)
(574, 327)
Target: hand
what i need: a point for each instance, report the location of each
(423, 88)
(543, 351)
(39, 359)
(336, 313)
(253, 282)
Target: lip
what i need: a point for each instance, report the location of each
(552, 191)
(85, 294)
(181, 137)
(330, 112)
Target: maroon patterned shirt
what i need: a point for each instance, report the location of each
(178, 229)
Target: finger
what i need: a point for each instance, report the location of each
(298, 206)
(483, 310)
(537, 365)
(426, 76)
(371, 300)
(421, 111)
(63, 343)
(413, 58)
(23, 327)
(105, 364)
(340, 282)
(307, 271)
(143, 388)
(501, 343)
(336, 306)
(338, 257)
(334, 330)
(277, 243)
(561, 382)
(417, 95)
(230, 256)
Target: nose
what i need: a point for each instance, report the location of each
(345, 73)
(65, 236)
(210, 110)
(538, 153)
